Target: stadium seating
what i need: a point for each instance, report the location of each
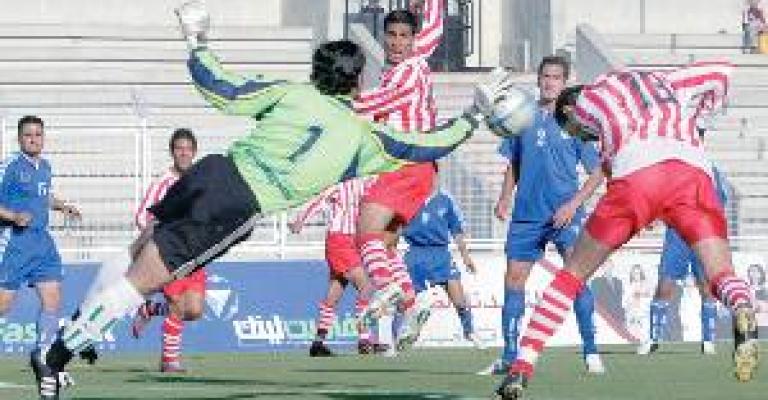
(737, 140)
(111, 95)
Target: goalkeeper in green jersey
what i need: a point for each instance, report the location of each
(306, 137)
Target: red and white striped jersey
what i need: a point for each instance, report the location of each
(154, 194)
(404, 98)
(340, 205)
(644, 117)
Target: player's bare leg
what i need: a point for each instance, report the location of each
(146, 275)
(557, 300)
(150, 308)
(715, 255)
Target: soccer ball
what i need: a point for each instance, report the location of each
(512, 112)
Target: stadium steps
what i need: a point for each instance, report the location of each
(106, 91)
(737, 141)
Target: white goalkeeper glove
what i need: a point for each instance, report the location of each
(487, 93)
(194, 21)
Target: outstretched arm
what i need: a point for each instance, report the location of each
(428, 38)
(385, 144)
(386, 98)
(229, 92)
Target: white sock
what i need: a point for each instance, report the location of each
(111, 269)
(99, 312)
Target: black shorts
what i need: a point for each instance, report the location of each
(206, 212)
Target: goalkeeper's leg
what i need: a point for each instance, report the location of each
(105, 307)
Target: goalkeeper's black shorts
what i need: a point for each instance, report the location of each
(206, 212)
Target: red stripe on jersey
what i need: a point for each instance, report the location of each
(384, 103)
(340, 204)
(154, 194)
(637, 100)
(428, 38)
(622, 102)
(405, 99)
(390, 87)
(610, 117)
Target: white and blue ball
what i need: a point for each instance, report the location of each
(512, 112)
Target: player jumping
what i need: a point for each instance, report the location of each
(645, 122)
(405, 101)
(306, 138)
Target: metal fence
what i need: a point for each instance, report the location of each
(104, 161)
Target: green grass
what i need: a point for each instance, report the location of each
(678, 372)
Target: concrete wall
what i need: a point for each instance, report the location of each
(136, 12)
(488, 41)
(296, 13)
(644, 16)
(525, 21)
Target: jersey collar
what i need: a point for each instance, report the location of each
(34, 162)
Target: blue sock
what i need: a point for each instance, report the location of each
(465, 316)
(584, 307)
(658, 319)
(397, 324)
(47, 325)
(511, 316)
(708, 320)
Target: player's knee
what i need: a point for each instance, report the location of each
(193, 311)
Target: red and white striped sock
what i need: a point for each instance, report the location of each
(326, 316)
(730, 289)
(363, 332)
(172, 330)
(375, 260)
(401, 276)
(555, 304)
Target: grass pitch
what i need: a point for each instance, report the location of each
(679, 371)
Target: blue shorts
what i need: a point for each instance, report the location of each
(526, 240)
(430, 265)
(678, 260)
(29, 258)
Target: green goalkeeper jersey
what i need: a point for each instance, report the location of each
(304, 141)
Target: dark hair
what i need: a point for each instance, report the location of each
(336, 67)
(29, 119)
(556, 60)
(182, 133)
(401, 17)
(566, 98)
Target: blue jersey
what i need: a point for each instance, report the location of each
(546, 158)
(436, 223)
(26, 188)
